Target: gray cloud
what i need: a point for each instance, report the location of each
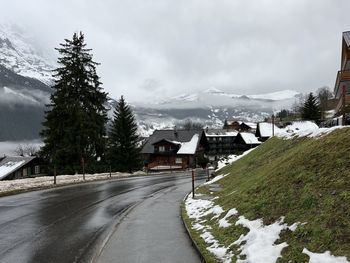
(156, 48)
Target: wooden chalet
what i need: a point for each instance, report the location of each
(174, 149)
(21, 167)
(221, 143)
(239, 126)
(342, 83)
(246, 140)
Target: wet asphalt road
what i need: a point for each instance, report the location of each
(69, 224)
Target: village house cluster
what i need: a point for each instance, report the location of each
(181, 149)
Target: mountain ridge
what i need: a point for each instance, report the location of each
(25, 79)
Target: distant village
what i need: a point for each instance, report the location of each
(177, 148)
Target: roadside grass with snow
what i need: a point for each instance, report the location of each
(27, 184)
(286, 201)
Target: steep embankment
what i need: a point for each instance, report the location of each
(305, 180)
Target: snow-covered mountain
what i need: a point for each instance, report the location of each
(211, 107)
(19, 53)
(26, 74)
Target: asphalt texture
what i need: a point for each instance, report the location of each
(153, 232)
(71, 224)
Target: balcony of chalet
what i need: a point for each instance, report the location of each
(343, 104)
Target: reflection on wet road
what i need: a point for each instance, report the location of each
(67, 224)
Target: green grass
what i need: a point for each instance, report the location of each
(305, 180)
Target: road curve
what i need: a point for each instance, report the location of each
(68, 224)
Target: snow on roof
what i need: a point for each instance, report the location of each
(220, 133)
(170, 141)
(189, 147)
(265, 129)
(9, 167)
(249, 138)
(233, 121)
(171, 135)
(251, 124)
(11, 164)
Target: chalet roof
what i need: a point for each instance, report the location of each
(249, 138)
(166, 140)
(8, 165)
(265, 129)
(189, 147)
(220, 133)
(252, 125)
(180, 136)
(346, 36)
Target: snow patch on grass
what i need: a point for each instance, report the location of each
(197, 209)
(231, 158)
(223, 221)
(325, 257)
(259, 243)
(305, 129)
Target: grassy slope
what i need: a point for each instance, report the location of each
(305, 180)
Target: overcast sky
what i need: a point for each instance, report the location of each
(164, 47)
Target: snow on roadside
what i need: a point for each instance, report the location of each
(46, 181)
(197, 209)
(258, 245)
(325, 257)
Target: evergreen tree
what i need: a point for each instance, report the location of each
(311, 109)
(124, 152)
(74, 126)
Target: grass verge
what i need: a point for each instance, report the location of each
(306, 180)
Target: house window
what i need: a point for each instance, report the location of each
(178, 160)
(36, 169)
(162, 148)
(24, 172)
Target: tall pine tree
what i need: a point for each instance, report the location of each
(124, 152)
(311, 109)
(74, 126)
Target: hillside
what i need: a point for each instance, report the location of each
(299, 187)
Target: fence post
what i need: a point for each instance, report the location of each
(192, 183)
(83, 164)
(54, 174)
